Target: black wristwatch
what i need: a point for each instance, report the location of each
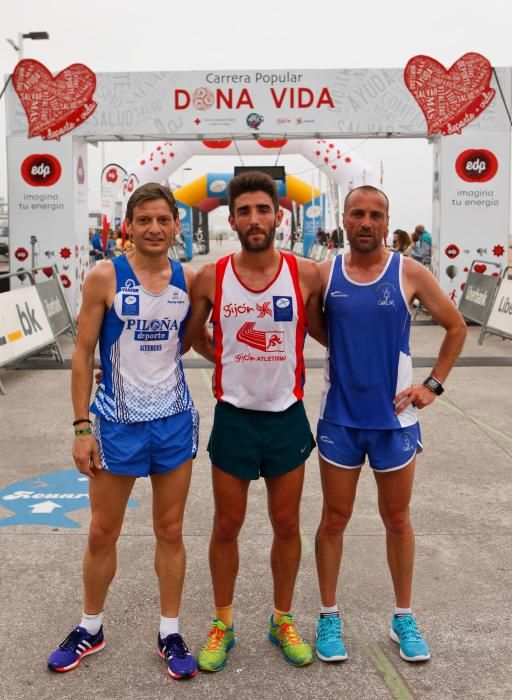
(434, 386)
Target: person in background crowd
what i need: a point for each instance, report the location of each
(424, 244)
(401, 241)
(96, 245)
(111, 246)
(321, 235)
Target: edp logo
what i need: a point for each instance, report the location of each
(476, 165)
(41, 170)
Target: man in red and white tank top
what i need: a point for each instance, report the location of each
(262, 302)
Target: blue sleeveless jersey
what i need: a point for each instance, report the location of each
(368, 361)
(140, 350)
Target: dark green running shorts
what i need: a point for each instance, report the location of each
(249, 443)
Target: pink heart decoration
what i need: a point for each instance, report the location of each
(450, 99)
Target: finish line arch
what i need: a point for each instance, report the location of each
(464, 110)
(333, 157)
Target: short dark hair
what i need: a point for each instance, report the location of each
(252, 181)
(365, 188)
(148, 192)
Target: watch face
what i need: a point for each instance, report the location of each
(434, 385)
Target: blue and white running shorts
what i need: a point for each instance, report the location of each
(387, 450)
(150, 447)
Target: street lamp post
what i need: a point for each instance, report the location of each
(35, 36)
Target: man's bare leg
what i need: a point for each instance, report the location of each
(108, 495)
(170, 492)
(339, 491)
(230, 497)
(284, 494)
(395, 490)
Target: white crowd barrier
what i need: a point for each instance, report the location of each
(32, 318)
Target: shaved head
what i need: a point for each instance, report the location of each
(365, 188)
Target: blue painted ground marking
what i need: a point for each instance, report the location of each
(46, 499)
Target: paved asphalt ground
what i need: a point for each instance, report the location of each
(462, 517)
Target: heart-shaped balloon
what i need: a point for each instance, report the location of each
(450, 99)
(54, 105)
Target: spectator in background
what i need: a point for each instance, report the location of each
(111, 245)
(424, 244)
(321, 236)
(401, 241)
(96, 245)
(128, 244)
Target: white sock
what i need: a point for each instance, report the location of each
(328, 609)
(92, 623)
(169, 625)
(403, 611)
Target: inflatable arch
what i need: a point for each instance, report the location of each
(210, 191)
(332, 157)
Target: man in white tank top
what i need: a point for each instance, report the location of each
(262, 302)
(145, 425)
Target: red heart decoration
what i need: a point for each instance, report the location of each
(450, 99)
(480, 267)
(48, 271)
(54, 105)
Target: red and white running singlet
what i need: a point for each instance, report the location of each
(259, 338)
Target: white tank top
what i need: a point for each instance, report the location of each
(140, 350)
(259, 338)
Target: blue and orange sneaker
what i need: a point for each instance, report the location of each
(405, 632)
(180, 662)
(71, 651)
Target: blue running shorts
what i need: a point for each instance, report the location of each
(150, 447)
(387, 450)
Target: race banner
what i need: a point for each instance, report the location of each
(213, 104)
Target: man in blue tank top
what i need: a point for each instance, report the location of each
(369, 405)
(145, 422)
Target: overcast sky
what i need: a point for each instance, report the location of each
(233, 34)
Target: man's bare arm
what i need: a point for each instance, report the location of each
(95, 294)
(425, 288)
(311, 283)
(202, 293)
